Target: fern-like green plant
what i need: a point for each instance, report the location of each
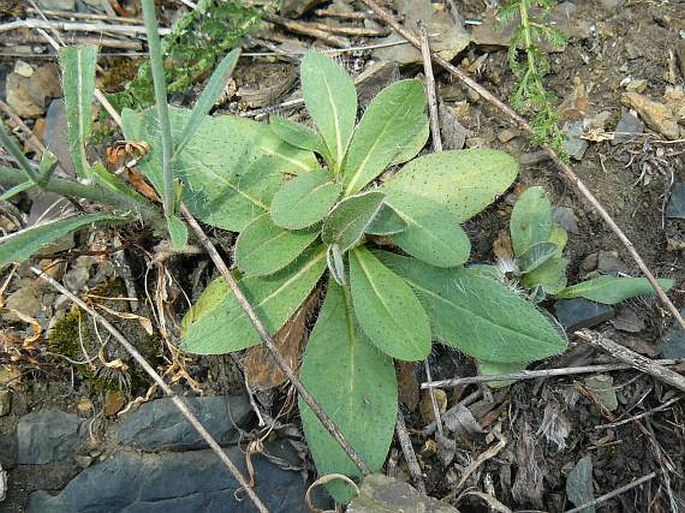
(529, 64)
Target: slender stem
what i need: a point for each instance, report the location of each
(159, 82)
(178, 402)
(13, 149)
(11, 177)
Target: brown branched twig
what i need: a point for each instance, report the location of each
(409, 454)
(430, 90)
(635, 360)
(565, 169)
(178, 402)
(536, 374)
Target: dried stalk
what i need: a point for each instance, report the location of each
(409, 454)
(178, 402)
(74, 26)
(535, 374)
(565, 169)
(430, 89)
(635, 360)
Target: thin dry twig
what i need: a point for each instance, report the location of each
(268, 342)
(535, 374)
(308, 30)
(565, 169)
(430, 89)
(642, 415)
(409, 454)
(84, 16)
(75, 26)
(487, 454)
(434, 400)
(615, 493)
(178, 402)
(635, 360)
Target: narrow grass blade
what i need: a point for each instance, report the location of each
(13, 149)
(208, 98)
(16, 190)
(19, 246)
(78, 79)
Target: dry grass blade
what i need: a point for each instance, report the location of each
(565, 169)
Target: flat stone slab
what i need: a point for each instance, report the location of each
(158, 425)
(578, 313)
(47, 436)
(176, 482)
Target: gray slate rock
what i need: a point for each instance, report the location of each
(673, 343)
(186, 482)
(577, 313)
(675, 209)
(626, 127)
(47, 436)
(158, 425)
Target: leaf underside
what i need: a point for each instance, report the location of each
(347, 222)
(531, 220)
(610, 290)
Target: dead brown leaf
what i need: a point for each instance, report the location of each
(502, 246)
(408, 384)
(261, 370)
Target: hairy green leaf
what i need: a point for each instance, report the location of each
(114, 183)
(390, 122)
(386, 222)
(78, 82)
(433, 235)
(231, 167)
(216, 324)
(263, 248)
(355, 385)
(462, 181)
(387, 309)
(535, 256)
(178, 232)
(413, 147)
(350, 218)
(531, 220)
(331, 101)
(298, 135)
(551, 276)
(610, 290)
(476, 314)
(336, 264)
(305, 200)
(210, 94)
(19, 246)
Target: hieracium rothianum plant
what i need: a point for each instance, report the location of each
(308, 228)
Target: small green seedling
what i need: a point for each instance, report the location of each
(529, 64)
(298, 219)
(538, 245)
